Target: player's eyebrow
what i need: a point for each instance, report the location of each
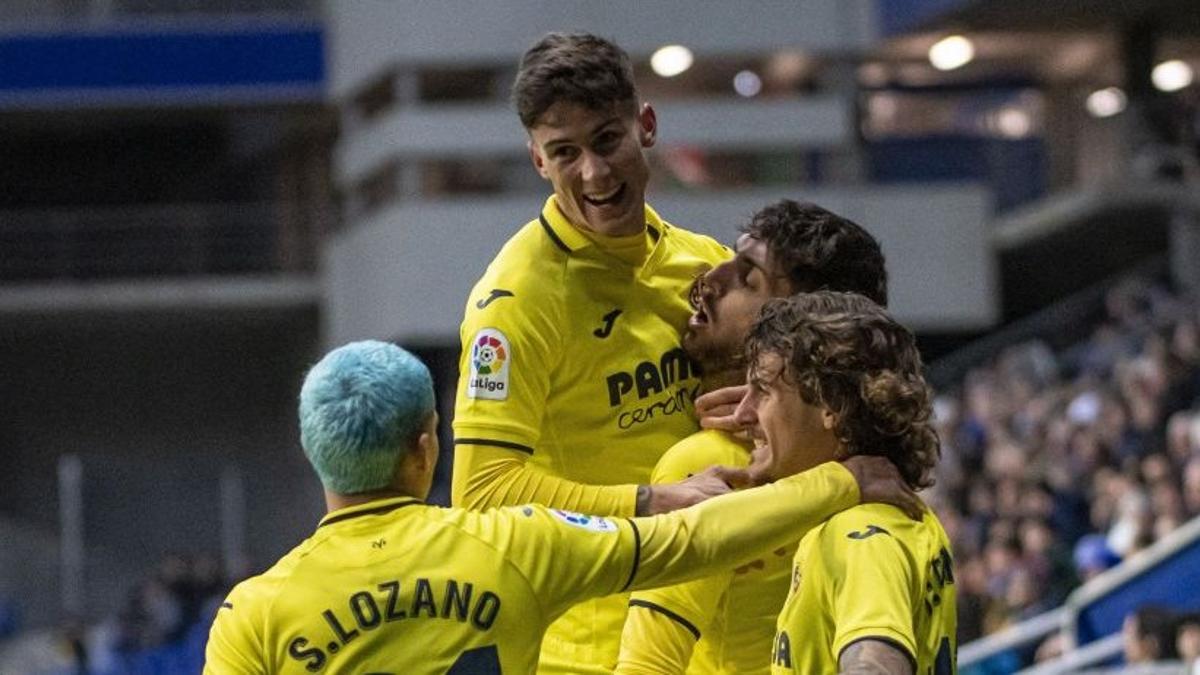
(554, 142)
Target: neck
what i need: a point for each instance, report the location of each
(729, 377)
(335, 501)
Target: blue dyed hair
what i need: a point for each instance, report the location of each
(361, 408)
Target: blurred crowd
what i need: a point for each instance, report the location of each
(162, 625)
(1058, 464)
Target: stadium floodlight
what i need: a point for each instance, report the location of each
(1172, 75)
(747, 83)
(1106, 102)
(671, 60)
(951, 52)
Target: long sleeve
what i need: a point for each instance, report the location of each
(486, 476)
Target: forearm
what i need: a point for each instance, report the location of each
(486, 476)
(874, 657)
(732, 529)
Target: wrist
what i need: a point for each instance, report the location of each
(645, 494)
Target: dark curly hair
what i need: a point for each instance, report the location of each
(844, 352)
(821, 250)
(574, 67)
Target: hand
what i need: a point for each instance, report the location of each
(713, 481)
(880, 481)
(715, 409)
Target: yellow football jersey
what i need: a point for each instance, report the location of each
(396, 586)
(869, 572)
(573, 354)
(722, 623)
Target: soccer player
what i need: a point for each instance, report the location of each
(387, 584)
(725, 623)
(833, 376)
(573, 381)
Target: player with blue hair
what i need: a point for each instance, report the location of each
(387, 583)
(357, 406)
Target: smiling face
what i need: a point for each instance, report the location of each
(594, 160)
(728, 299)
(797, 435)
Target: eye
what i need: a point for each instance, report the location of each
(606, 141)
(564, 152)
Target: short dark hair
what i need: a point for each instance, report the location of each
(821, 250)
(844, 352)
(574, 67)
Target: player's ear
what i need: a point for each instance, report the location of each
(828, 420)
(427, 445)
(539, 162)
(647, 125)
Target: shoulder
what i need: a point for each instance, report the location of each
(698, 452)
(699, 245)
(524, 282)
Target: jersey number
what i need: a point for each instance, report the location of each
(479, 661)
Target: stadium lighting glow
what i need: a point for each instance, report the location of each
(747, 83)
(1172, 75)
(671, 60)
(1013, 123)
(1105, 102)
(951, 52)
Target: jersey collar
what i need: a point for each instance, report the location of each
(372, 508)
(568, 237)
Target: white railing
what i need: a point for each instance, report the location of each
(1018, 635)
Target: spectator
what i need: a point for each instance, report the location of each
(1148, 635)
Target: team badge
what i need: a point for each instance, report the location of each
(592, 523)
(491, 358)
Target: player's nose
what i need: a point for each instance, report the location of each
(594, 167)
(746, 413)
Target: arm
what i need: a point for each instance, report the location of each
(735, 528)
(487, 476)
(663, 625)
(874, 657)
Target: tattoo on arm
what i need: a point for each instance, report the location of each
(874, 657)
(643, 501)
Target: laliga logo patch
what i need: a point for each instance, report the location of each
(490, 360)
(592, 523)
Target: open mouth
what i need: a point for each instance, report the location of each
(606, 199)
(700, 315)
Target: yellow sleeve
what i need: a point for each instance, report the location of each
(654, 641)
(732, 529)
(594, 556)
(873, 580)
(663, 624)
(234, 644)
(486, 476)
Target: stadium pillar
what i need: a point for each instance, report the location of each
(1185, 250)
(70, 519)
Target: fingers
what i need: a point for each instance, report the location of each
(721, 423)
(733, 477)
(725, 396)
(911, 504)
